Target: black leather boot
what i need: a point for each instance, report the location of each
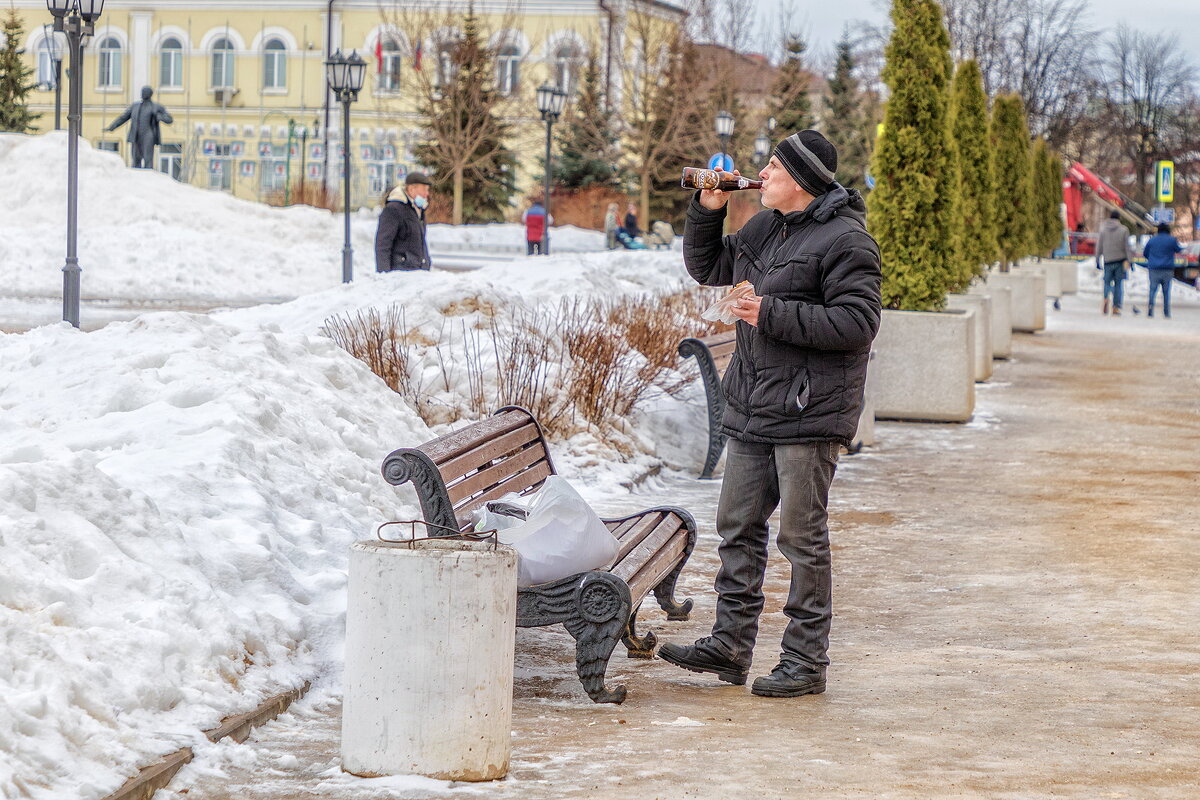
(705, 656)
(789, 680)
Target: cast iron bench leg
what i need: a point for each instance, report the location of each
(638, 646)
(600, 617)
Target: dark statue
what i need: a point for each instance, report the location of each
(144, 117)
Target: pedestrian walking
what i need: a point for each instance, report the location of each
(1112, 249)
(1160, 262)
(400, 238)
(793, 393)
(535, 226)
(611, 226)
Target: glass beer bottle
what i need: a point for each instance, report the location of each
(698, 178)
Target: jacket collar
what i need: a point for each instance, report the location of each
(838, 200)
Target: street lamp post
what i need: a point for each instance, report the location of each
(724, 130)
(54, 49)
(550, 101)
(762, 146)
(345, 76)
(75, 18)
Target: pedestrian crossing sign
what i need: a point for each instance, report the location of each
(1164, 181)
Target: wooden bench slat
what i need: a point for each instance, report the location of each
(517, 483)
(718, 339)
(723, 350)
(722, 363)
(652, 573)
(619, 527)
(502, 470)
(487, 450)
(627, 565)
(456, 443)
(635, 535)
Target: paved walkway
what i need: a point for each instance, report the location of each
(1017, 604)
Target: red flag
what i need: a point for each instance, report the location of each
(379, 54)
(417, 58)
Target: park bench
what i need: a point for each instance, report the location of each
(713, 354)
(458, 473)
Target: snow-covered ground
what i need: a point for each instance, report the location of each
(178, 492)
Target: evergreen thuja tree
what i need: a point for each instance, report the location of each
(912, 203)
(1014, 184)
(587, 141)
(14, 79)
(969, 131)
(847, 124)
(1047, 199)
(789, 102)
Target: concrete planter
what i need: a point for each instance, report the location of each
(865, 435)
(1001, 297)
(1067, 277)
(1051, 271)
(982, 306)
(926, 366)
(1028, 297)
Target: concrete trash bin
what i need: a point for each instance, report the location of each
(430, 632)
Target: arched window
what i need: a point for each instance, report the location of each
(45, 63)
(170, 63)
(389, 68)
(445, 63)
(110, 62)
(222, 64)
(567, 57)
(275, 65)
(508, 68)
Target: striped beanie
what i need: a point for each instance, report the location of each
(810, 159)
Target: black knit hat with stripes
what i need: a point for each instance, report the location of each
(810, 159)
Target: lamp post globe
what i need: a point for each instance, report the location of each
(762, 146)
(725, 124)
(550, 101)
(90, 10)
(59, 8)
(356, 72)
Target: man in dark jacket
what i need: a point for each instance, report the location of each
(1160, 261)
(400, 237)
(793, 393)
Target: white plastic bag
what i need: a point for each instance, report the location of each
(722, 310)
(561, 535)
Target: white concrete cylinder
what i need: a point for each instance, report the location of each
(982, 306)
(430, 631)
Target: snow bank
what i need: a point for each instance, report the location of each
(178, 494)
(145, 236)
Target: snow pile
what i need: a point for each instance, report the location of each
(145, 236)
(179, 492)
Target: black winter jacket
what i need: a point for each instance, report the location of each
(400, 238)
(798, 376)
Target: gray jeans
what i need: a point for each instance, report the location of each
(758, 478)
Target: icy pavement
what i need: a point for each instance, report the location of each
(1015, 606)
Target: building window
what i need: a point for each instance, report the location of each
(566, 66)
(45, 65)
(389, 66)
(275, 65)
(170, 64)
(445, 64)
(508, 69)
(170, 160)
(222, 64)
(110, 63)
(220, 168)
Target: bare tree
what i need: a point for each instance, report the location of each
(1146, 77)
(456, 82)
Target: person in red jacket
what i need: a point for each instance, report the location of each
(535, 227)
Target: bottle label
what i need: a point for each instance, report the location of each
(743, 183)
(707, 179)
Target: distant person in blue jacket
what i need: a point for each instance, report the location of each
(1160, 261)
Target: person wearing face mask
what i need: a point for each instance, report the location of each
(400, 237)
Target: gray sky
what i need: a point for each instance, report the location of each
(823, 20)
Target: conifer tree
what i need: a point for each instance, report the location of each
(847, 124)
(912, 201)
(467, 147)
(789, 102)
(969, 131)
(14, 79)
(1047, 200)
(587, 141)
(1014, 183)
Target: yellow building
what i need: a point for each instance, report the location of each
(245, 81)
